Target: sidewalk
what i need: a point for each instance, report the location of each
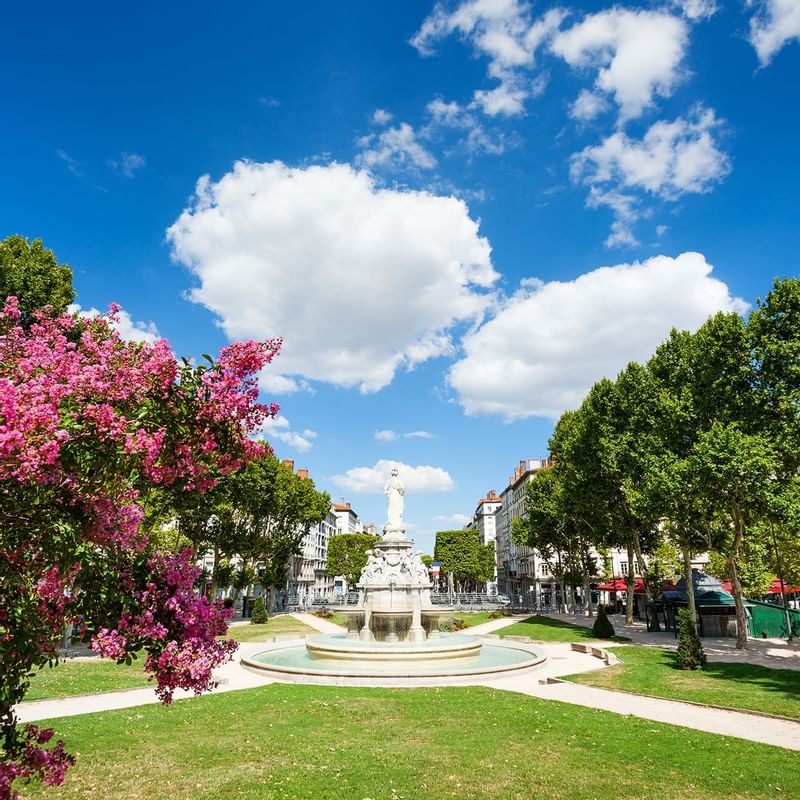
(773, 653)
(777, 732)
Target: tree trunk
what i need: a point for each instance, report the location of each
(741, 616)
(273, 594)
(687, 576)
(629, 579)
(650, 615)
(214, 573)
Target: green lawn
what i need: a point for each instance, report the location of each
(547, 629)
(651, 670)
(73, 677)
(277, 626)
(284, 742)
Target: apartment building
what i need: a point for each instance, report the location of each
(484, 520)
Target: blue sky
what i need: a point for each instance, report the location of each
(458, 215)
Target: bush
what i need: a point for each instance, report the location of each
(500, 613)
(690, 649)
(228, 602)
(323, 613)
(602, 628)
(451, 625)
(259, 615)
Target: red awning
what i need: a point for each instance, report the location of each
(619, 585)
(774, 589)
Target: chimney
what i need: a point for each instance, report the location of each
(521, 467)
(289, 463)
(302, 473)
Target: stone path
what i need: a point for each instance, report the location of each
(777, 732)
(774, 653)
(322, 625)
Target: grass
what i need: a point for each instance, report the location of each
(284, 625)
(76, 676)
(319, 743)
(547, 629)
(651, 670)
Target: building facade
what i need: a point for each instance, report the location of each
(484, 520)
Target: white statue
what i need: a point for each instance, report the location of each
(394, 491)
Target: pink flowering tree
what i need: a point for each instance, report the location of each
(89, 425)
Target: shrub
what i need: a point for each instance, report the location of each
(227, 602)
(451, 624)
(500, 613)
(602, 628)
(690, 649)
(259, 615)
(323, 613)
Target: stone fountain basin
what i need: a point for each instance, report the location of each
(292, 661)
(338, 646)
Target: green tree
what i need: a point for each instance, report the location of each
(734, 471)
(602, 628)
(272, 511)
(458, 552)
(31, 272)
(690, 653)
(347, 555)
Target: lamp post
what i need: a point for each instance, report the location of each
(783, 587)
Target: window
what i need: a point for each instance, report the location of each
(623, 566)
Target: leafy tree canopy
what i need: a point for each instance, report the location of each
(31, 273)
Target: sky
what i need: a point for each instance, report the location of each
(457, 215)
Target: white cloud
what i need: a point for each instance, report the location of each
(774, 23)
(359, 280)
(476, 138)
(393, 436)
(504, 32)
(672, 159)
(696, 9)
(73, 165)
(126, 327)
(371, 480)
(278, 428)
(587, 106)
(453, 519)
(269, 102)
(128, 164)
(547, 346)
(396, 147)
(637, 54)
(381, 116)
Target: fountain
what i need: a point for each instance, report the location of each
(393, 630)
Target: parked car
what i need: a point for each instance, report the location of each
(503, 600)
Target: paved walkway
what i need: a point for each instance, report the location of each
(322, 625)
(774, 653)
(777, 732)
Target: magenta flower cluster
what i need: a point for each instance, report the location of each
(88, 422)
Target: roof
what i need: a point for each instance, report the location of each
(340, 507)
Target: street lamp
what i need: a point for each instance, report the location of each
(783, 587)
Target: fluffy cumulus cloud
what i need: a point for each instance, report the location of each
(774, 23)
(359, 280)
(696, 9)
(371, 480)
(551, 341)
(397, 147)
(502, 31)
(128, 329)
(637, 54)
(588, 105)
(672, 159)
(279, 429)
